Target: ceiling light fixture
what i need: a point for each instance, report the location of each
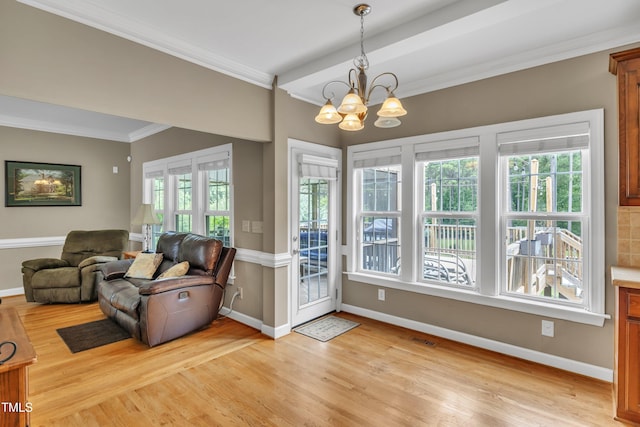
(353, 110)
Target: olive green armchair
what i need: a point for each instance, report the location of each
(74, 276)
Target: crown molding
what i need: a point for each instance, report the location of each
(68, 129)
(596, 42)
(146, 131)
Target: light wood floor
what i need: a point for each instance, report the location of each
(230, 374)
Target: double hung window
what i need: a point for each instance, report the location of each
(156, 180)
(379, 204)
(216, 175)
(192, 193)
(507, 215)
(544, 212)
(449, 211)
(182, 181)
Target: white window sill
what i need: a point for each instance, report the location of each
(539, 308)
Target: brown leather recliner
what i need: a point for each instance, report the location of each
(74, 276)
(158, 310)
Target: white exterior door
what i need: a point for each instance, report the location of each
(315, 272)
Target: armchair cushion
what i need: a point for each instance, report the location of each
(44, 263)
(99, 259)
(61, 277)
(116, 269)
(144, 266)
(123, 296)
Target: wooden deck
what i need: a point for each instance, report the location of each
(230, 374)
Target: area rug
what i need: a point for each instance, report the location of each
(91, 335)
(326, 328)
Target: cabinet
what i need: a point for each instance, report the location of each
(14, 375)
(627, 342)
(626, 66)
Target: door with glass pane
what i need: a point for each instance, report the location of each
(314, 236)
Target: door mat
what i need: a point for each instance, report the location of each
(326, 328)
(91, 335)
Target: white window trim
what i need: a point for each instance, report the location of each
(489, 259)
(192, 159)
(442, 150)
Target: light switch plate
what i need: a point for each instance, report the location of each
(256, 226)
(547, 328)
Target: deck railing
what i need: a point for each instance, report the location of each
(565, 247)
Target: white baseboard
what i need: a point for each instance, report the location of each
(242, 318)
(276, 333)
(269, 331)
(281, 331)
(11, 292)
(570, 365)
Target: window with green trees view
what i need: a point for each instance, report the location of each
(192, 193)
(449, 216)
(508, 215)
(217, 218)
(544, 221)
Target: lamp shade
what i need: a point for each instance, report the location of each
(387, 122)
(392, 107)
(146, 215)
(351, 122)
(352, 104)
(328, 114)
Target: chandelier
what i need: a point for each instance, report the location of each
(353, 110)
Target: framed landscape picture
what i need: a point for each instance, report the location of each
(41, 184)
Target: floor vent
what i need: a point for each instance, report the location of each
(425, 342)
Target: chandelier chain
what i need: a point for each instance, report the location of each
(352, 111)
(362, 60)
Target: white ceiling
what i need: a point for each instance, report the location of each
(428, 44)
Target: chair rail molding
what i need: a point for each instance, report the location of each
(246, 255)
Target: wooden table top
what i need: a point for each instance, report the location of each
(11, 329)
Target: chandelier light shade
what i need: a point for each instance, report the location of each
(328, 114)
(352, 111)
(391, 107)
(352, 104)
(387, 122)
(351, 122)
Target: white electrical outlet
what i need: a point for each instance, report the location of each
(241, 293)
(381, 295)
(547, 328)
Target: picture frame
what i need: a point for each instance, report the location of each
(41, 184)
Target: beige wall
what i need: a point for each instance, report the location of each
(105, 195)
(47, 58)
(247, 172)
(248, 200)
(51, 59)
(578, 84)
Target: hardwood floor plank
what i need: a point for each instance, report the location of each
(229, 375)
